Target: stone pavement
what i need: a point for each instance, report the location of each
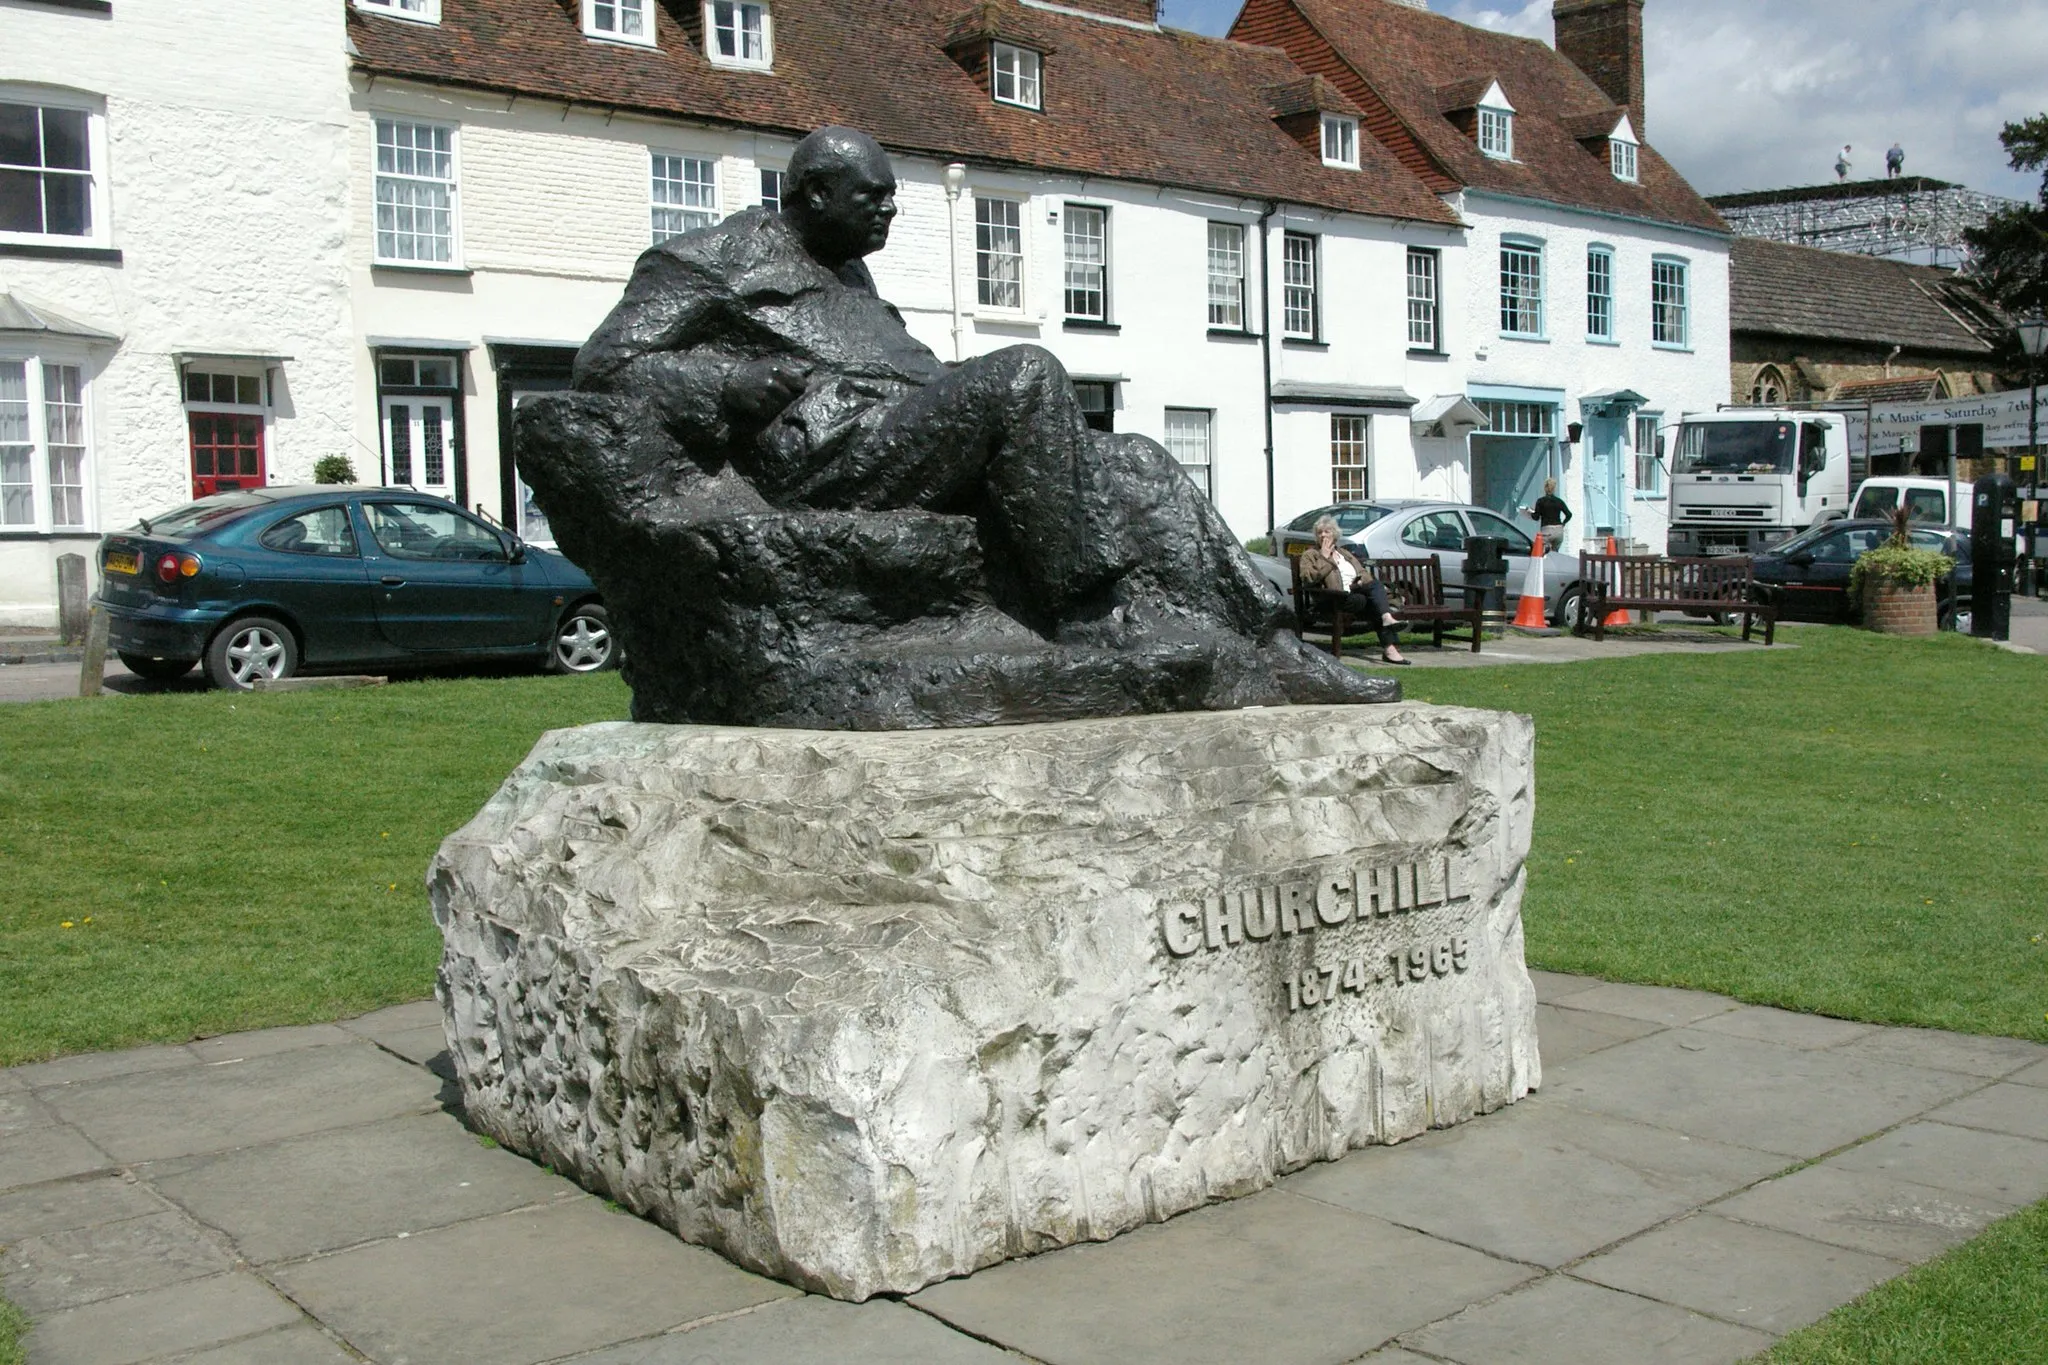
(1695, 1178)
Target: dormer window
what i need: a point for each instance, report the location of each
(421, 11)
(623, 21)
(1497, 133)
(1014, 75)
(738, 34)
(1340, 141)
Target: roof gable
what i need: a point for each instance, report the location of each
(1802, 291)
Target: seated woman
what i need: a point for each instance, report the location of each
(1335, 569)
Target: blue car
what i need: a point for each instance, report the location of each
(264, 583)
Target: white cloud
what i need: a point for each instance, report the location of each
(1757, 94)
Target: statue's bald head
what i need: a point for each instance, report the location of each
(839, 193)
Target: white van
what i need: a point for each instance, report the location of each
(1925, 499)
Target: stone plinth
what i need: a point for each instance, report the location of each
(863, 1011)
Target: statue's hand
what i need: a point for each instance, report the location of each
(760, 389)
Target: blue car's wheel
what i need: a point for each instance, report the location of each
(250, 650)
(583, 641)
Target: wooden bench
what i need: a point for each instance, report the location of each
(1720, 585)
(1415, 594)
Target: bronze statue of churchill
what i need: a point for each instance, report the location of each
(800, 515)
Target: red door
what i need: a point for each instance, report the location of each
(227, 451)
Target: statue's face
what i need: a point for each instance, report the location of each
(850, 210)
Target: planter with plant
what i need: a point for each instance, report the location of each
(1895, 583)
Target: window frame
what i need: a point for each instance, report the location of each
(1207, 482)
(1655, 487)
(1346, 128)
(983, 254)
(1289, 288)
(647, 10)
(1621, 151)
(739, 61)
(1340, 444)
(1682, 308)
(656, 207)
(1601, 252)
(1067, 290)
(99, 202)
(1502, 123)
(761, 174)
(1532, 247)
(997, 49)
(36, 363)
(429, 12)
(453, 182)
(1210, 253)
(1434, 302)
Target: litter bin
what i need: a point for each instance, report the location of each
(1486, 569)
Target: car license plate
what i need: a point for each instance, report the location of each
(119, 561)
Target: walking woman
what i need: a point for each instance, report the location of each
(1551, 515)
(1335, 569)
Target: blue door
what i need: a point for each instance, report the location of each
(1508, 472)
(1606, 493)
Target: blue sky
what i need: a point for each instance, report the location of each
(1757, 94)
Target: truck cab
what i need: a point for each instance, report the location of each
(1744, 479)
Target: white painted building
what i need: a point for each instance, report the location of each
(172, 268)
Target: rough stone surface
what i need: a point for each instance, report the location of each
(864, 1011)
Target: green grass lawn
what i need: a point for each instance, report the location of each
(1856, 825)
(13, 1326)
(1986, 1301)
(201, 863)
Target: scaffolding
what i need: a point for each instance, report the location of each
(1911, 217)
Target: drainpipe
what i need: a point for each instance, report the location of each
(1266, 353)
(956, 176)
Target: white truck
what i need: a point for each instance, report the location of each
(1743, 479)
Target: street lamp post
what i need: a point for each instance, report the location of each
(2033, 329)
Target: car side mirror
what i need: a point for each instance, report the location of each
(1799, 561)
(515, 551)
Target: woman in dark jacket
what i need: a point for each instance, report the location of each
(1335, 569)
(1551, 514)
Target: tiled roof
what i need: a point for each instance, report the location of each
(1409, 62)
(1806, 292)
(1921, 388)
(1149, 105)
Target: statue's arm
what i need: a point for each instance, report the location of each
(661, 343)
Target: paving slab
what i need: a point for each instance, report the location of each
(330, 1190)
(2036, 1074)
(421, 1046)
(2011, 1170)
(1968, 1053)
(2004, 1108)
(1873, 1211)
(298, 1345)
(231, 1047)
(1564, 1034)
(812, 1331)
(209, 1108)
(1394, 1355)
(68, 1204)
(1552, 987)
(1797, 1101)
(160, 1322)
(41, 1154)
(1561, 1321)
(1656, 1004)
(96, 1066)
(21, 1111)
(1538, 1182)
(1788, 1028)
(1273, 1277)
(1758, 1277)
(83, 1265)
(520, 1287)
(413, 1014)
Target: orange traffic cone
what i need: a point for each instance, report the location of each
(1618, 616)
(1529, 610)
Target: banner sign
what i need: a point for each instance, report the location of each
(1895, 427)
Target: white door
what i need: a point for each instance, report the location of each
(419, 440)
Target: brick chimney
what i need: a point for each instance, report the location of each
(1604, 39)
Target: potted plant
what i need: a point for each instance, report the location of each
(1895, 583)
(333, 469)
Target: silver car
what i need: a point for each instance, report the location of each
(1413, 528)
